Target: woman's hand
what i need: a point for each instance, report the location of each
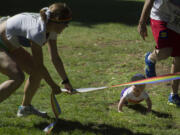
(68, 87)
(56, 89)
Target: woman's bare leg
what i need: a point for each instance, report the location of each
(30, 88)
(16, 76)
(25, 62)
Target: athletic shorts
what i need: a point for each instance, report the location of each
(165, 37)
(2, 45)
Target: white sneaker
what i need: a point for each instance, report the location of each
(28, 110)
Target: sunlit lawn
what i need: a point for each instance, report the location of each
(102, 54)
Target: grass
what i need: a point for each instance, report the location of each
(98, 53)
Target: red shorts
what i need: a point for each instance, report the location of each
(165, 37)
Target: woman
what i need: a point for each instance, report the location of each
(32, 30)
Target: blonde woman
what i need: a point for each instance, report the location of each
(32, 30)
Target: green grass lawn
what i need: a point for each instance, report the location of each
(98, 54)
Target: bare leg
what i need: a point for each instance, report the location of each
(30, 89)
(175, 68)
(16, 76)
(160, 54)
(25, 61)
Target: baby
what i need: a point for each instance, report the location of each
(134, 94)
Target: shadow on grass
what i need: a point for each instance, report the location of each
(140, 108)
(85, 12)
(69, 126)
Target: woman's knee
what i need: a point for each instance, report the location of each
(10, 69)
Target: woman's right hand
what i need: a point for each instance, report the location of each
(69, 88)
(56, 89)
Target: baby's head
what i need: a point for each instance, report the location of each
(138, 88)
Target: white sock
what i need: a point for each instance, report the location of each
(149, 58)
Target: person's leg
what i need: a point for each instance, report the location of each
(160, 54)
(31, 87)
(163, 39)
(25, 61)
(175, 68)
(152, 58)
(174, 99)
(16, 76)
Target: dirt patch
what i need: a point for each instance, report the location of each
(100, 42)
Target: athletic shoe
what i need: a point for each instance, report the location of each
(28, 110)
(150, 67)
(174, 100)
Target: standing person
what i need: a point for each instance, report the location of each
(134, 94)
(165, 25)
(32, 30)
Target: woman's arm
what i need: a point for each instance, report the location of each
(38, 62)
(144, 16)
(55, 58)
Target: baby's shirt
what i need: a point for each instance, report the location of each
(131, 98)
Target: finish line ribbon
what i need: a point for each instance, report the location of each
(162, 78)
(157, 79)
(56, 109)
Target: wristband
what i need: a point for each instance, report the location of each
(65, 81)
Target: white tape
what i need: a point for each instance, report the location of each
(81, 90)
